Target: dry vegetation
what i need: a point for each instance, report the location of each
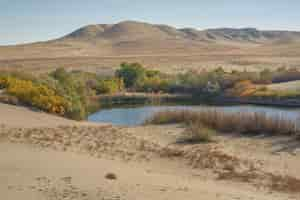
(196, 132)
(244, 123)
(74, 94)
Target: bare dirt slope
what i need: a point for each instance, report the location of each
(102, 46)
(71, 162)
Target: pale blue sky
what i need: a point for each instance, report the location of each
(23, 21)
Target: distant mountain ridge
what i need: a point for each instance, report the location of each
(137, 39)
(132, 31)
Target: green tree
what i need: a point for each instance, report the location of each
(74, 91)
(131, 73)
(109, 86)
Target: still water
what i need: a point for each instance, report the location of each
(131, 116)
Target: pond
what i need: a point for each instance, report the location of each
(132, 116)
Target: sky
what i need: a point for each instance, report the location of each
(24, 21)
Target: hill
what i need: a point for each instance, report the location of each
(106, 45)
(134, 31)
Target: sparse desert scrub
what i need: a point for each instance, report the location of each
(274, 182)
(244, 123)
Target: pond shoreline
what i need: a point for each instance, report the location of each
(123, 99)
(288, 103)
(132, 115)
(143, 99)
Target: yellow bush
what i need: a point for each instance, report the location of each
(243, 88)
(34, 94)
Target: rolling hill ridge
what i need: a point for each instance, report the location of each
(131, 31)
(107, 45)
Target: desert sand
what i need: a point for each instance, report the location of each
(51, 158)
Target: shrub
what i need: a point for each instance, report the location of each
(74, 90)
(36, 95)
(200, 84)
(60, 74)
(152, 73)
(242, 89)
(61, 92)
(131, 73)
(153, 84)
(109, 86)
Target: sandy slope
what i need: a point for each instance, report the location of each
(30, 173)
(17, 116)
(71, 161)
(24, 117)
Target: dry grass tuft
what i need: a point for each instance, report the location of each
(244, 123)
(274, 182)
(196, 132)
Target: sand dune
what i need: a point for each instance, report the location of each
(39, 174)
(70, 160)
(23, 117)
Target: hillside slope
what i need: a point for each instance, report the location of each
(133, 31)
(137, 38)
(109, 44)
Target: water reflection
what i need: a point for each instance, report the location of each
(131, 116)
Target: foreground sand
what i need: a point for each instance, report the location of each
(69, 160)
(24, 117)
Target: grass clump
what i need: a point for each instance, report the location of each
(196, 132)
(244, 123)
(169, 117)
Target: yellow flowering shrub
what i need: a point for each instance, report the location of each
(34, 94)
(243, 88)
